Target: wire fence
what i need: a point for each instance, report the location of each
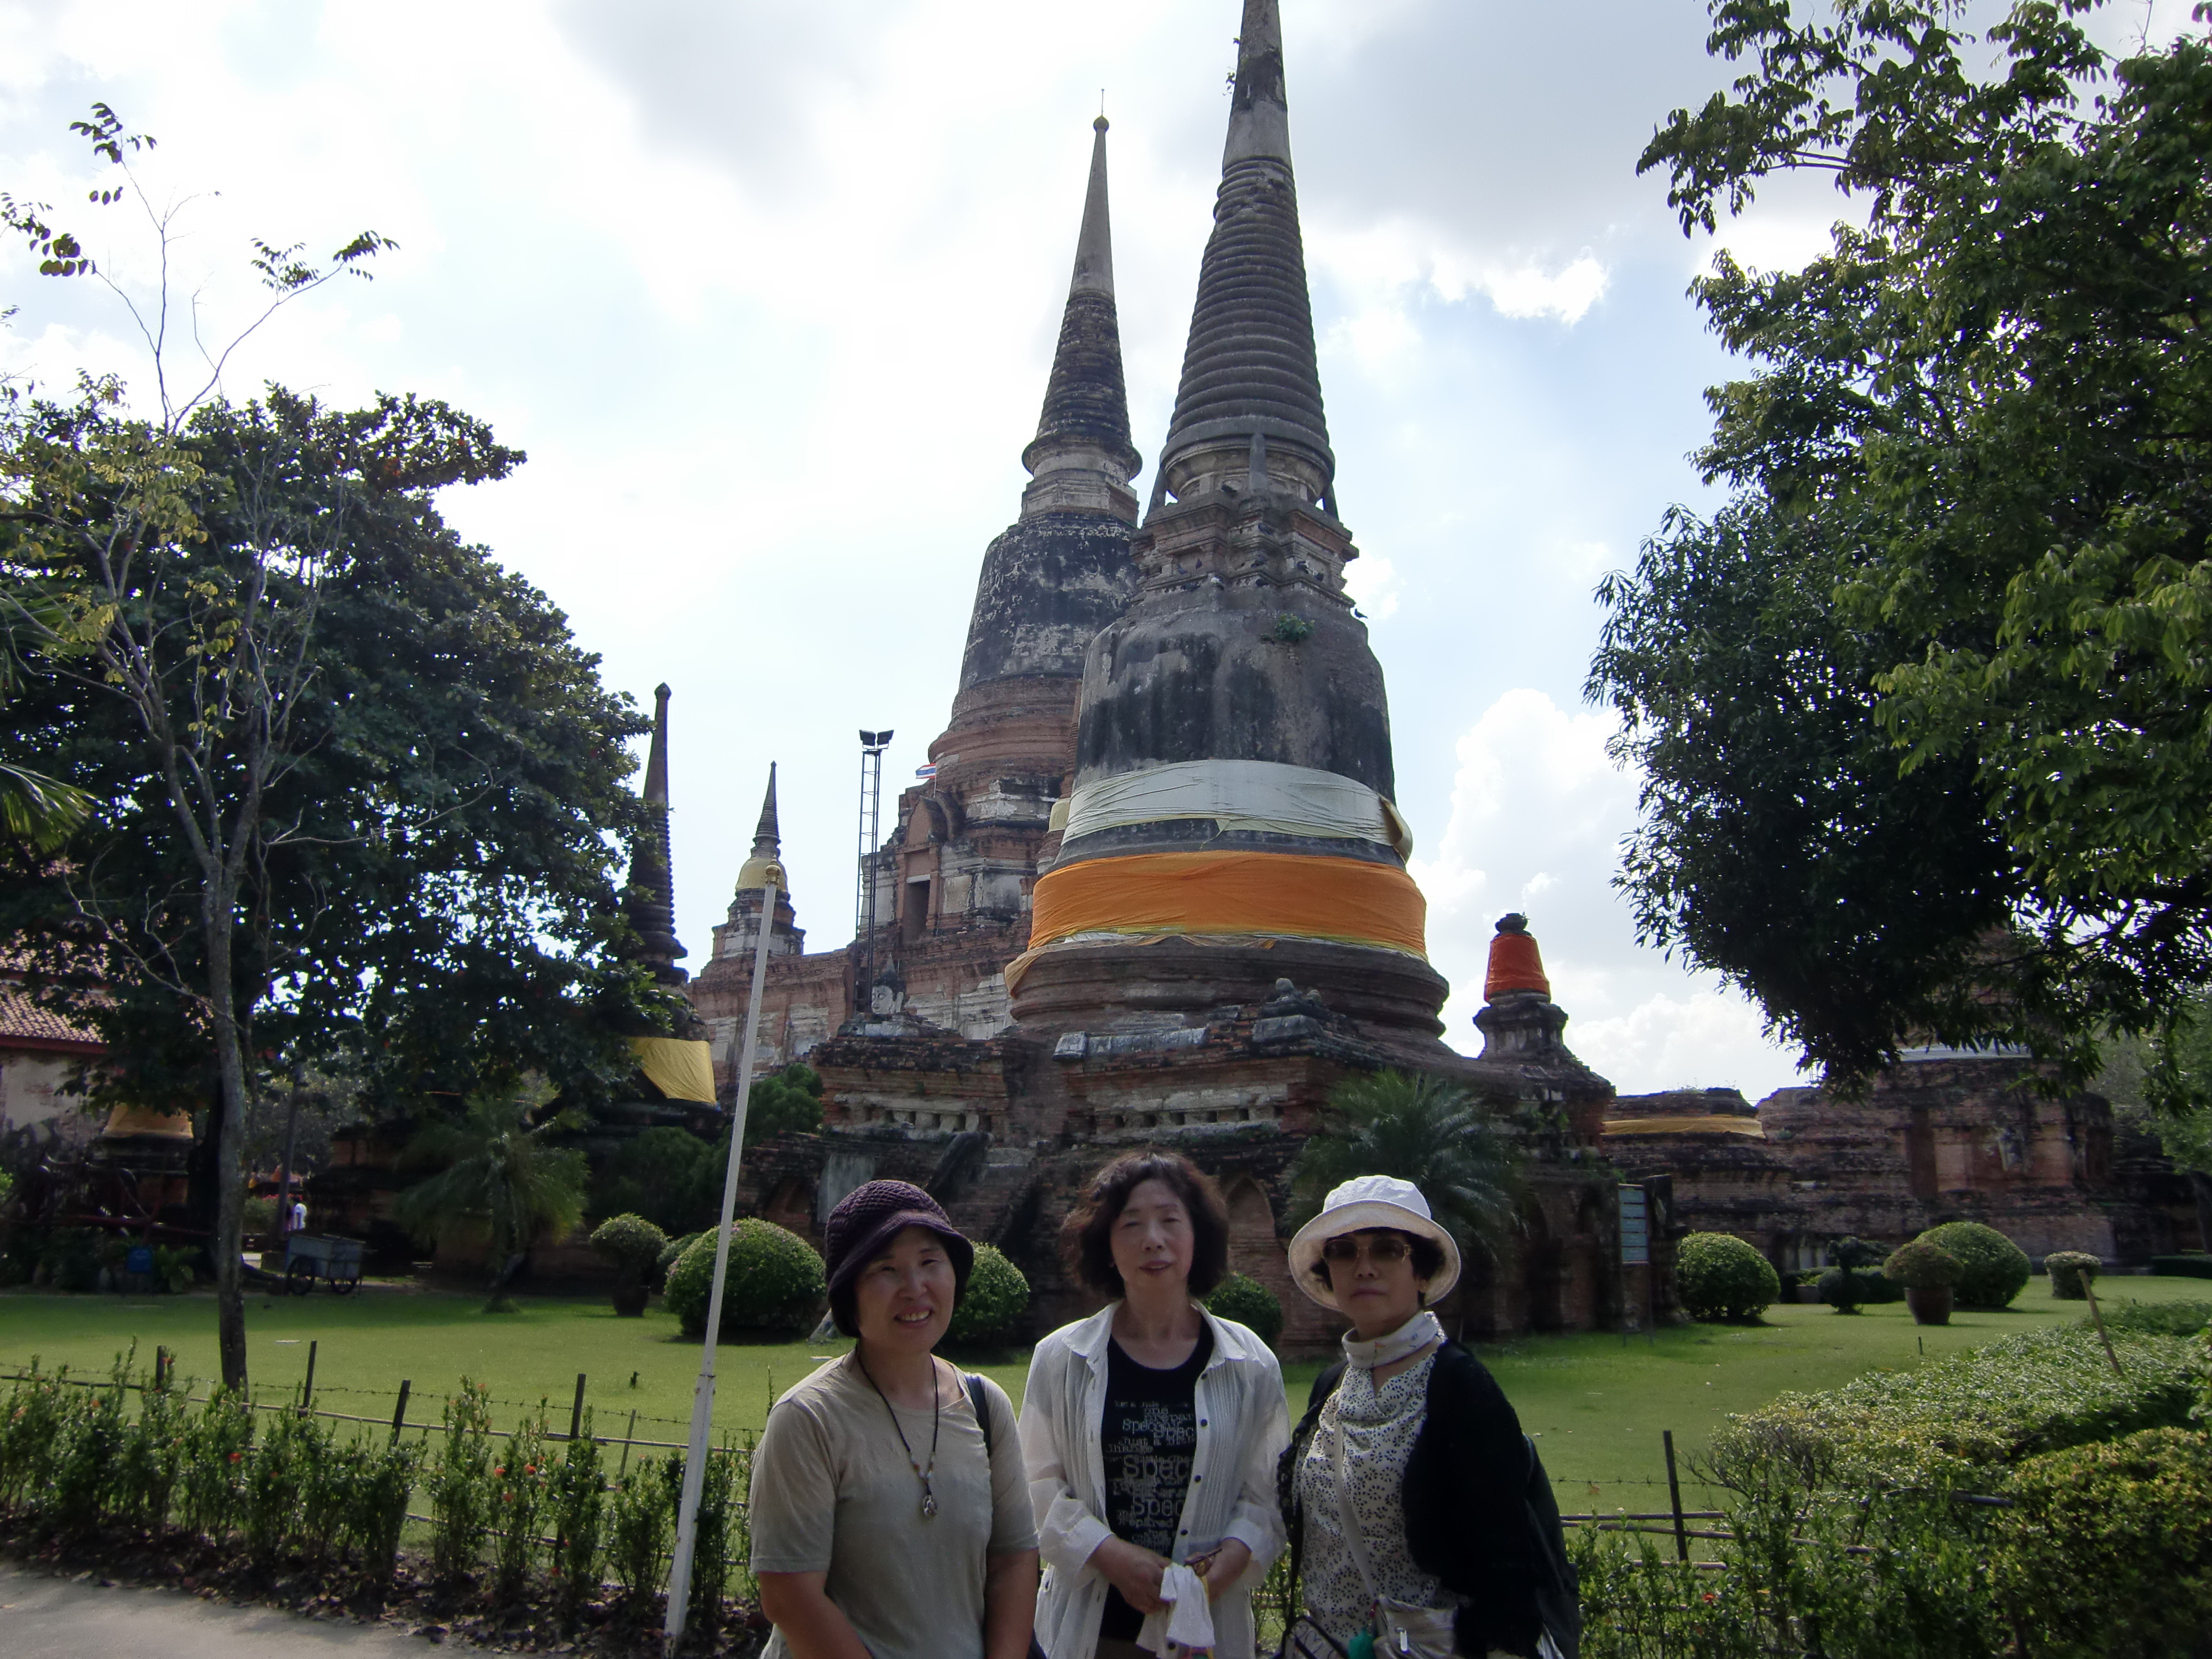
(301, 1400)
(1674, 1522)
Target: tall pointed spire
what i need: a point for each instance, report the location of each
(767, 838)
(1062, 572)
(1085, 420)
(736, 936)
(1238, 691)
(651, 904)
(1249, 372)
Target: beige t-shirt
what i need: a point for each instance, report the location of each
(833, 1492)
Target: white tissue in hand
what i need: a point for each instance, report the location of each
(1187, 1620)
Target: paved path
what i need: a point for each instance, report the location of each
(47, 1618)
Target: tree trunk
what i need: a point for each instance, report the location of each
(2201, 1184)
(218, 916)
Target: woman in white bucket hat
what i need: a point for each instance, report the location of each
(1404, 1485)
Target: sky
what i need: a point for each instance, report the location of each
(769, 293)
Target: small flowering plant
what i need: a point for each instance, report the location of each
(521, 1484)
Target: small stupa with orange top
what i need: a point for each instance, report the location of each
(1518, 1019)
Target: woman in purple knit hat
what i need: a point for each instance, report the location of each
(891, 1517)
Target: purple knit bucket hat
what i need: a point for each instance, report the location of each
(876, 1212)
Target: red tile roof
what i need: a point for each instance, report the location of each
(23, 1022)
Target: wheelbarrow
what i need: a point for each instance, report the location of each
(310, 1256)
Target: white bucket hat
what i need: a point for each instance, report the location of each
(1362, 1202)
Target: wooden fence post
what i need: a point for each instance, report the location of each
(399, 1417)
(307, 1388)
(1674, 1496)
(576, 1414)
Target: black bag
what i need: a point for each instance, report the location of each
(981, 1402)
(1559, 1600)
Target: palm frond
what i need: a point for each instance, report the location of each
(41, 811)
(1422, 1129)
(498, 1179)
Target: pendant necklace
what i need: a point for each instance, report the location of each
(936, 1408)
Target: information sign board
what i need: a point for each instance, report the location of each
(1635, 1227)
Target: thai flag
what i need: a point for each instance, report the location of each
(929, 771)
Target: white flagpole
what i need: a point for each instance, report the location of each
(702, 1396)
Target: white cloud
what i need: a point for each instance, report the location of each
(1529, 291)
(1538, 810)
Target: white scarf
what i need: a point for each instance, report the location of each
(1410, 1338)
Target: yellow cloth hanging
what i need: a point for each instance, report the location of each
(680, 1070)
(127, 1120)
(1716, 1125)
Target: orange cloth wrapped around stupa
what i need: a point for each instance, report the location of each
(1515, 962)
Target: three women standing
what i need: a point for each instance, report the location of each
(889, 1514)
(1151, 1429)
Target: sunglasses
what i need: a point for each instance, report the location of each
(1384, 1249)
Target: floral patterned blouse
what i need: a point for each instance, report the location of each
(1379, 1430)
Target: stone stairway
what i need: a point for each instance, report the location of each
(993, 1201)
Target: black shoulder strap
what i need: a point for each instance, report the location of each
(1323, 1386)
(981, 1402)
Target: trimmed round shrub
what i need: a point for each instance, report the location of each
(1723, 1278)
(1844, 1290)
(672, 1252)
(2070, 1271)
(631, 1243)
(1249, 1303)
(997, 1296)
(1923, 1267)
(1996, 1268)
(2107, 1549)
(776, 1284)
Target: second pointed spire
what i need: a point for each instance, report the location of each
(1085, 417)
(1251, 386)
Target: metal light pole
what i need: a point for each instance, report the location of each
(873, 744)
(770, 873)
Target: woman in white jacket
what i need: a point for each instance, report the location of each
(1151, 1429)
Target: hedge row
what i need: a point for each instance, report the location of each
(2018, 1500)
(516, 1520)
(1970, 1416)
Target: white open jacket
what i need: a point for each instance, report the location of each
(1242, 1426)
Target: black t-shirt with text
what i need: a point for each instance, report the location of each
(1148, 1435)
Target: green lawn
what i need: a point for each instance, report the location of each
(1598, 1403)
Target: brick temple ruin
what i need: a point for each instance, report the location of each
(1946, 1135)
(1154, 890)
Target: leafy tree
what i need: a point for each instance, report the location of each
(1932, 686)
(2183, 1052)
(499, 1180)
(353, 787)
(788, 1101)
(661, 1175)
(38, 810)
(1421, 1129)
